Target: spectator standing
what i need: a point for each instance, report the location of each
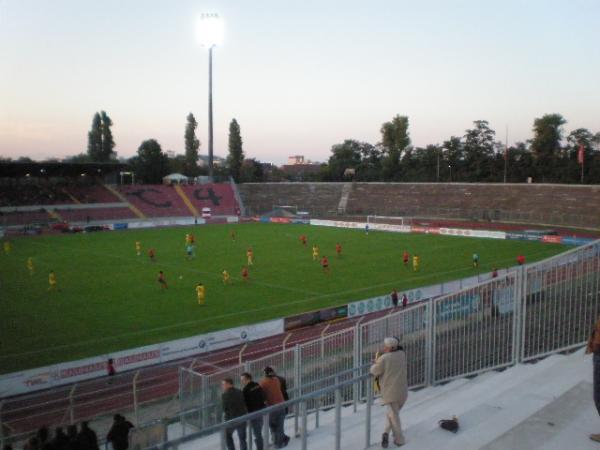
(404, 301)
(118, 435)
(394, 296)
(593, 346)
(271, 386)
(73, 442)
(520, 260)
(233, 406)
(390, 371)
(60, 439)
(494, 273)
(88, 440)
(254, 397)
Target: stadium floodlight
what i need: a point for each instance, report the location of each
(209, 32)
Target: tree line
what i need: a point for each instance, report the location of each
(477, 156)
(551, 156)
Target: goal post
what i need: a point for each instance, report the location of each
(289, 208)
(395, 220)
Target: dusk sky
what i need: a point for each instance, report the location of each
(299, 76)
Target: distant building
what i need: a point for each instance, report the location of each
(296, 159)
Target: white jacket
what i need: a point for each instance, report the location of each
(390, 369)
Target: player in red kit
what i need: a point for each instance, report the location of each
(303, 239)
(245, 274)
(325, 264)
(338, 249)
(405, 257)
(151, 254)
(161, 280)
(520, 260)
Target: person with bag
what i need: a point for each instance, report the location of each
(390, 372)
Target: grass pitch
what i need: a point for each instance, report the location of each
(110, 299)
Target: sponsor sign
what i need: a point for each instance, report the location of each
(120, 226)
(314, 317)
(457, 307)
(552, 239)
(573, 240)
(74, 371)
(503, 298)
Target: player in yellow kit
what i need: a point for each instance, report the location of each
(138, 248)
(226, 277)
(250, 256)
(30, 266)
(201, 293)
(315, 250)
(7, 247)
(416, 262)
(52, 283)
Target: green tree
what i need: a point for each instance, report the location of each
(452, 167)
(346, 155)
(236, 152)
(252, 171)
(395, 140)
(108, 143)
(192, 144)
(545, 145)
(94, 148)
(479, 151)
(151, 164)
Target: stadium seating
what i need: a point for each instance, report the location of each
(318, 198)
(92, 194)
(569, 205)
(540, 204)
(219, 197)
(155, 200)
(9, 218)
(89, 214)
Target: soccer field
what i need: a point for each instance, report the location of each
(110, 299)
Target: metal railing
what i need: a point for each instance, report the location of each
(526, 313)
(361, 382)
(523, 314)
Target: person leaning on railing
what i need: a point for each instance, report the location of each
(593, 346)
(233, 406)
(390, 375)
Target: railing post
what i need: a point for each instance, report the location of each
(265, 430)
(519, 314)
(429, 343)
(223, 443)
(249, 434)
(297, 381)
(368, 418)
(338, 418)
(317, 408)
(135, 399)
(72, 405)
(304, 431)
(356, 357)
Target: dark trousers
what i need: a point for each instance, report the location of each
(257, 425)
(276, 422)
(597, 381)
(241, 432)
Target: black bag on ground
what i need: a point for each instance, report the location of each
(449, 424)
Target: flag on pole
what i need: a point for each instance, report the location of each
(580, 154)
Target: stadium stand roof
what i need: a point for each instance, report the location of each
(58, 169)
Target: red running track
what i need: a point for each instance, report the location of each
(103, 396)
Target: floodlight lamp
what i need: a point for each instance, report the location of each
(209, 30)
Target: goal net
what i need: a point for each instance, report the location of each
(395, 220)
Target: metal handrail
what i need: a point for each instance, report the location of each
(335, 376)
(301, 401)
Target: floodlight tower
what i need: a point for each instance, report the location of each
(210, 34)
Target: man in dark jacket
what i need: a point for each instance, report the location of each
(233, 406)
(87, 437)
(118, 435)
(255, 401)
